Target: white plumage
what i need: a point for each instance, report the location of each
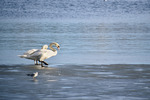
(42, 54)
(32, 51)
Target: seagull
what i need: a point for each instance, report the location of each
(33, 75)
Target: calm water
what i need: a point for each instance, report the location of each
(105, 49)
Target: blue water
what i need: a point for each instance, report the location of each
(104, 49)
(72, 8)
(81, 42)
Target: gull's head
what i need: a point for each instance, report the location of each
(35, 74)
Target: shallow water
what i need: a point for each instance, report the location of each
(72, 82)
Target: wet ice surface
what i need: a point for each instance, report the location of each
(72, 82)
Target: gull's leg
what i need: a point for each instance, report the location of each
(34, 78)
